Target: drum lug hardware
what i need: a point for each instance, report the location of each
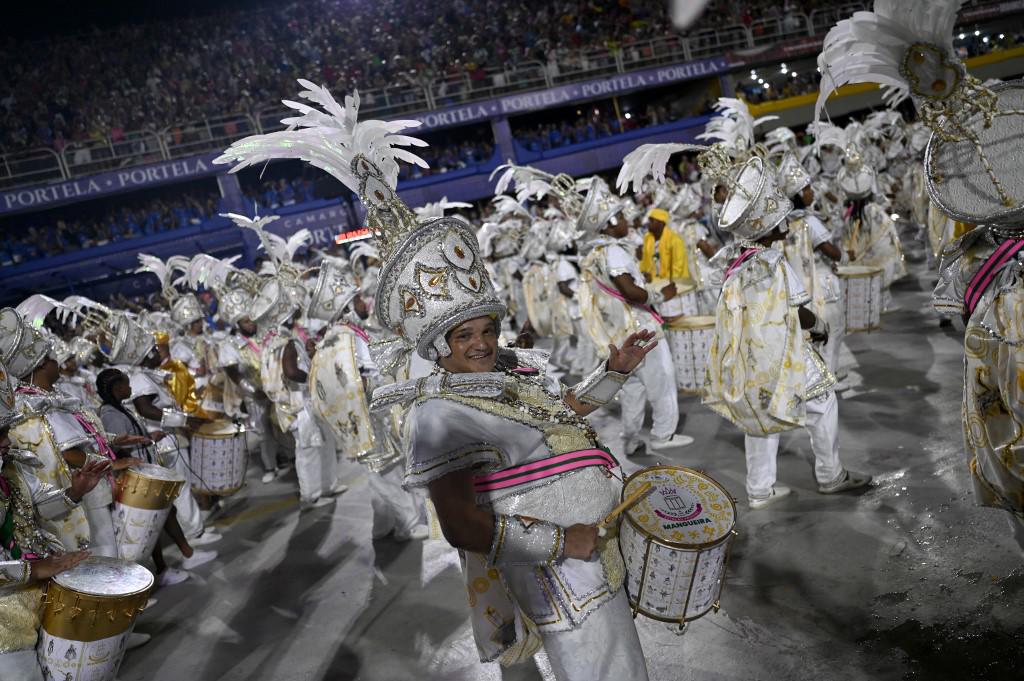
(75, 611)
(111, 614)
(716, 606)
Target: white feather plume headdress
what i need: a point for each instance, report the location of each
(906, 46)
(362, 155)
(735, 126)
(534, 184)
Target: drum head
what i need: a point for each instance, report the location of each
(220, 428)
(685, 509)
(150, 470)
(102, 576)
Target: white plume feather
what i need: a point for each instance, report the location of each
(869, 47)
(437, 209)
(648, 161)
(330, 139)
(35, 308)
(735, 126)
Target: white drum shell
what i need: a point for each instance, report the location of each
(63, 660)
(690, 349)
(137, 530)
(218, 464)
(862, 293)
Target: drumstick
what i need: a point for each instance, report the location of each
(624, 506)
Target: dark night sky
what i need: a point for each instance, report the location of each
(39, 18)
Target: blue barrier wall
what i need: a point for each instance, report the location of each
(103, 270)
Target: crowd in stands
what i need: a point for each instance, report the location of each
(100, 83)
(446, 157)
(127, 221)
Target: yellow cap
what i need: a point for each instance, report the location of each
(659, 214)
(161, 337)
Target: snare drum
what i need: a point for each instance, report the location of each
(689, 340)
(218, 458)
(862, 290)
(88, 613)
(676, 543)
(143, 497)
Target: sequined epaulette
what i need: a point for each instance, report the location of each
(465, 385)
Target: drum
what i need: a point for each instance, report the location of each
(689, 340)
(676, 543)
(218, 458)
(88, 613)
(143, 497)
(862, 290)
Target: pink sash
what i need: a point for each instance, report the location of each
(739, 261)
(546, 468)
(984, 277)
(358, 330)
(618, 296)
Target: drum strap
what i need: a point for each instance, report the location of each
(359, 331)
(739, 261)
(615, 294)
(984, 277)
(545, 468)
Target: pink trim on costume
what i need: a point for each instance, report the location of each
(546, 468)
(617, 295)
(525, 370)
(359, 331)
(301, 332)
(984, 277)
(739, 261)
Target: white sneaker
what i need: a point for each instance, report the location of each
(841, 386)
(778, 493)
(418, 532)
(207, 537)
(319, 502)
(171, 576)
(337, 489)
(631, 447)
(675, 442)
(198, 558)
(136, 639)
(850, 480)
(150, 603)
(269, 477)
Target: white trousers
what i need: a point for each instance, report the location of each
(585, 359)
(655, 378)
(605, 647)
(394, 509)
(261, 426)
(189, 516)
(836, 320)
(823, 427)
(101, 531)
(22, 665)
(316, 462)
(561, 352)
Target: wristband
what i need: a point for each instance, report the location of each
(600, 387)
(173, 419)
(525, 541)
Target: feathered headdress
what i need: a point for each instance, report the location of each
(735, 126)
(972, 163)
(362, 155)
(437, 209)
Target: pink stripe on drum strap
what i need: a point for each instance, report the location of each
(984, 277)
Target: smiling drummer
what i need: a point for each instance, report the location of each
(516, 473)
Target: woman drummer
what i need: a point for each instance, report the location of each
(114, 390)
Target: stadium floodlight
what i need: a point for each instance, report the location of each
(628, 115)
(1002, 36)
(961, 36)
(794, 73)
(784, 70)
(977, 33)
(767, 86)
(985, 40)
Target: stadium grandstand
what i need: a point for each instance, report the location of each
(119, 150)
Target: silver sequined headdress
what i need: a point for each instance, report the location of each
(432, 278)
(185, 307)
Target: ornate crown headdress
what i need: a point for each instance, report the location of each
(185, 307)
(432, 277)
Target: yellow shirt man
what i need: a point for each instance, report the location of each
(664, 254)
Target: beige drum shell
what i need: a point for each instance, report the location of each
(862, 297)
(134, 488)
(215, 444)
(79, 616)
(689, 341)
(713, 554)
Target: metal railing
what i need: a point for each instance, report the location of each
(416, 95)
